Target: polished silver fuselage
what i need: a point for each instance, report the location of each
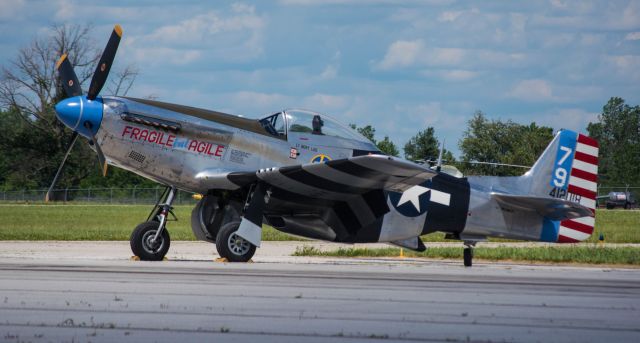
(220, 149)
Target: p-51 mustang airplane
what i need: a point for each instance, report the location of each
(305, 174)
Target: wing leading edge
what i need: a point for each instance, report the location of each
(337, 178)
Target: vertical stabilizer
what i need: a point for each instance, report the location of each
(567, 169)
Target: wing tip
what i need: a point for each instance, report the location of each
(60, 60)
(118, 30)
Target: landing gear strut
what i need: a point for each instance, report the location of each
(468, 253)
(150, 240)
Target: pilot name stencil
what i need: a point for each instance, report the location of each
(306, 147)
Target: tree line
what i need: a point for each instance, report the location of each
(617, 130)
(33, 141)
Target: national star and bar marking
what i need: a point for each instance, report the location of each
(413, 195)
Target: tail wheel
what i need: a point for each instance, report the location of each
(233, 247)
(143, 244)
(468, 256)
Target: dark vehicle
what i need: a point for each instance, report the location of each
(620, 199)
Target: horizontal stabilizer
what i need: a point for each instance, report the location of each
(552, 208)
(414, 244)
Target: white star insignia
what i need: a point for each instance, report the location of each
(413, 195)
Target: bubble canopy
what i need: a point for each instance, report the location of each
(310, 122)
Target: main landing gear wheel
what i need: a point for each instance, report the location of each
(143, 244)
(231, 246)
(468, 256)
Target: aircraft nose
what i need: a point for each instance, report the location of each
(81, 114)
(69, 110)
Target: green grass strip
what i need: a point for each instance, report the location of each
(84, 221)
(95, 223)
(591, 254)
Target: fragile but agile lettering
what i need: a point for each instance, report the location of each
(167, 140)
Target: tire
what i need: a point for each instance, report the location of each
(231, 246)
(142, 246)
(468, 257)
(610, 206)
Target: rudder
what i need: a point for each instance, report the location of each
(567, 169)
(583, 183)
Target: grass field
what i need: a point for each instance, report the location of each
(589, 254)
(115, 222)
(617, 226)
(93, 222)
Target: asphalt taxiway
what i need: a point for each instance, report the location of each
(50, 296)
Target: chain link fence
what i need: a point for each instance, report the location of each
(112, 195)
(135, 195)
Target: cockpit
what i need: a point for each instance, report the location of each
(307, 122)
(274, 125)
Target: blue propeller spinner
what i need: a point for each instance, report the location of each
(81, 114)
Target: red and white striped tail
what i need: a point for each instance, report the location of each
(583, 184)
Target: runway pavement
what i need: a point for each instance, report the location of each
(51, 296)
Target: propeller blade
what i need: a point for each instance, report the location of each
(68, 77)
(102, 70)
(101, 159)
(74, 137)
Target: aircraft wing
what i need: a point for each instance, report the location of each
(350, 189)
(552, 208)
(332, 180)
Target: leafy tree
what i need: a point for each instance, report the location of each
(425, 146)
(34, 141)
(386, 146)
(367, 131)
(496, 141)
(618, 133)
